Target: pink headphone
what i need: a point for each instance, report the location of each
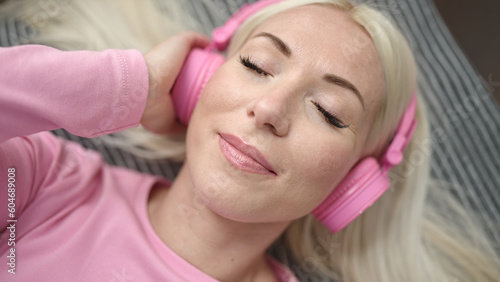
(362, 186)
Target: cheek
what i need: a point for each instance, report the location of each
(321, 169)
(223, 92)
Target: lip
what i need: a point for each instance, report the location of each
(244, 156)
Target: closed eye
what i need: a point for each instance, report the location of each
(330, 118)
(248, 63)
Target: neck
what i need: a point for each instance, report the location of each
(224, 249)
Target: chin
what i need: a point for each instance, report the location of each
(219, 193)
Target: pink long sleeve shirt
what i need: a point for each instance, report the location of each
(64, 214)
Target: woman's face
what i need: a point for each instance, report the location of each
(281, 123)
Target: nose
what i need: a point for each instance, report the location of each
(270, 112)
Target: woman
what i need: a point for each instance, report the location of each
(271, 100)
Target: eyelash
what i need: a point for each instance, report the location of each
(248, 63)
(330, 118)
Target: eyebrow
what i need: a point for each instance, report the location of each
(335, 79)
(345, 84)
(282, 47)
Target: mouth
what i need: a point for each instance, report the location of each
(244, 156)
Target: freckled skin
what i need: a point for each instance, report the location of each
(276, 114)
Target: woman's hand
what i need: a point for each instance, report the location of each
(164, 63)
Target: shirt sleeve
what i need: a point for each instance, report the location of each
(87, 93)
(41, 88)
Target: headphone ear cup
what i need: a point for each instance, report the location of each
(362, 186)
(199, 66)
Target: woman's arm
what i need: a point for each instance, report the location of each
(87, 93)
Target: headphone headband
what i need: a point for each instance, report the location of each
(221, 36)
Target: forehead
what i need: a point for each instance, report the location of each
(322, 18)
(331, 42)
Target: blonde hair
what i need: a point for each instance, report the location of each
(416, 231)
(97, 25)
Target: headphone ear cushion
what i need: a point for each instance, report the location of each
(199, 66)
(362, 186)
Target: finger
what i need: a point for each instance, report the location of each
(170, 54)
(195, 40)
(183, 42)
